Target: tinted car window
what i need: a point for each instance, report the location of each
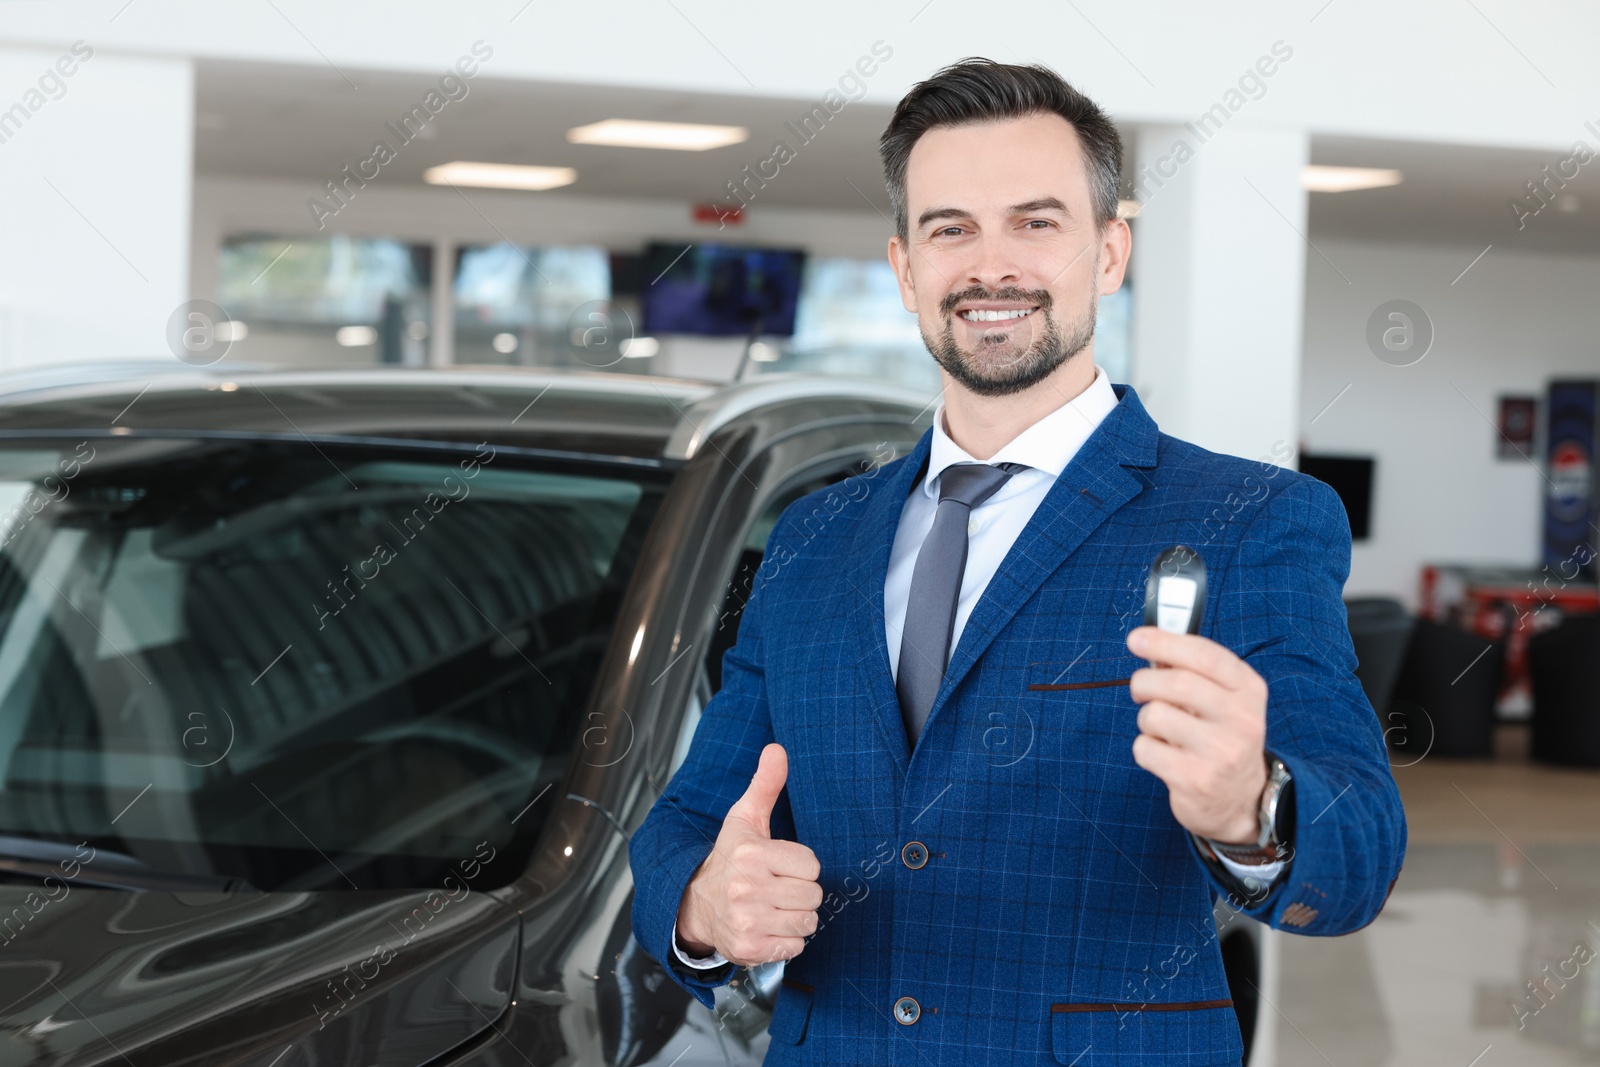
(740, 585)
(303, 666)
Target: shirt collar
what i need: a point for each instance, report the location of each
(1048, 445)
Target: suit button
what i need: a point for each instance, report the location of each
(915, 856)
(907, 1011)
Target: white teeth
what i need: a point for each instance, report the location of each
(995, 316)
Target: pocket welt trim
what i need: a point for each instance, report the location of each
(1188, 1005)
(1078, 685)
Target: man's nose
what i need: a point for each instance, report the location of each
(992, 265)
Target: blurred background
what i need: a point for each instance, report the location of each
(1366, 245)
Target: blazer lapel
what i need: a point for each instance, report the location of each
(1092, 486)
(865, 578)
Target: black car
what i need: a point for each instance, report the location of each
(328, 700)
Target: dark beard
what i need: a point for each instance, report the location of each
(1002, 377)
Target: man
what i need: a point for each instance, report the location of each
(943, 778)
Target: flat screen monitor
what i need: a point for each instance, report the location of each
(720, 290)
(1351, 478)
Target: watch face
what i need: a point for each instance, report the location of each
(1283, 816)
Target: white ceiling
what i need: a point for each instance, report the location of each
(262, 120)
(1457, 195)
(306, 123)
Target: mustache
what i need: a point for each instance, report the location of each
(1041, 297)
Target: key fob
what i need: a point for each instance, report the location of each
(1175, 591)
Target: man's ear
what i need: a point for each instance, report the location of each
(1116, 245)
(900, 260)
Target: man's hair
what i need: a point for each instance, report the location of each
(981, 90)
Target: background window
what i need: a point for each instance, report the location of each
(851, 322)
(518, 304)
(327, 300)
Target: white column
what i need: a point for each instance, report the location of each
(1219, 261)
(96, 169)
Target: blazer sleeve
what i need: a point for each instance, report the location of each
(1280, 607)
(682, 825)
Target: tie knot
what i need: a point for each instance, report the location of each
(973, 483)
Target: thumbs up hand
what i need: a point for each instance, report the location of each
(753, 899)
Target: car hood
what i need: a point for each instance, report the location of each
(96, 975)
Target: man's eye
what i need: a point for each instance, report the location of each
(1038, 222)
(949, 230)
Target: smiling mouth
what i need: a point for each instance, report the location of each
(1010, 314)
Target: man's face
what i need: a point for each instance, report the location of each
(1003, 263)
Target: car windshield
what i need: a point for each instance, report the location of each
(298, 665)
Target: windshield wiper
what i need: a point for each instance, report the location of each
(35, 860)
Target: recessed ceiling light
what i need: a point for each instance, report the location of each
(1321, 179)
(638, 133)
(499, 176)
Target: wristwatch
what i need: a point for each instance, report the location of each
(1275, 815)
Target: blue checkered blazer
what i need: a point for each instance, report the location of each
(1059, 913)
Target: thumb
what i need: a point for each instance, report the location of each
(755, 807)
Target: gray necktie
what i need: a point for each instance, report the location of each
(936, 586)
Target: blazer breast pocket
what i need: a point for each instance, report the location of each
(791, 1011)
(1080, 711)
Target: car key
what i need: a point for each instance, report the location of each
(1175, 591)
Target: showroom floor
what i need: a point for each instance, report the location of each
(1500, 888)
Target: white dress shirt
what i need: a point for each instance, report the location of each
(1046, 447)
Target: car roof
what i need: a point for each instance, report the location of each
(573, 410)
(579, 411)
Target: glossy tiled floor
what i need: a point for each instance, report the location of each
(1500, 889)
